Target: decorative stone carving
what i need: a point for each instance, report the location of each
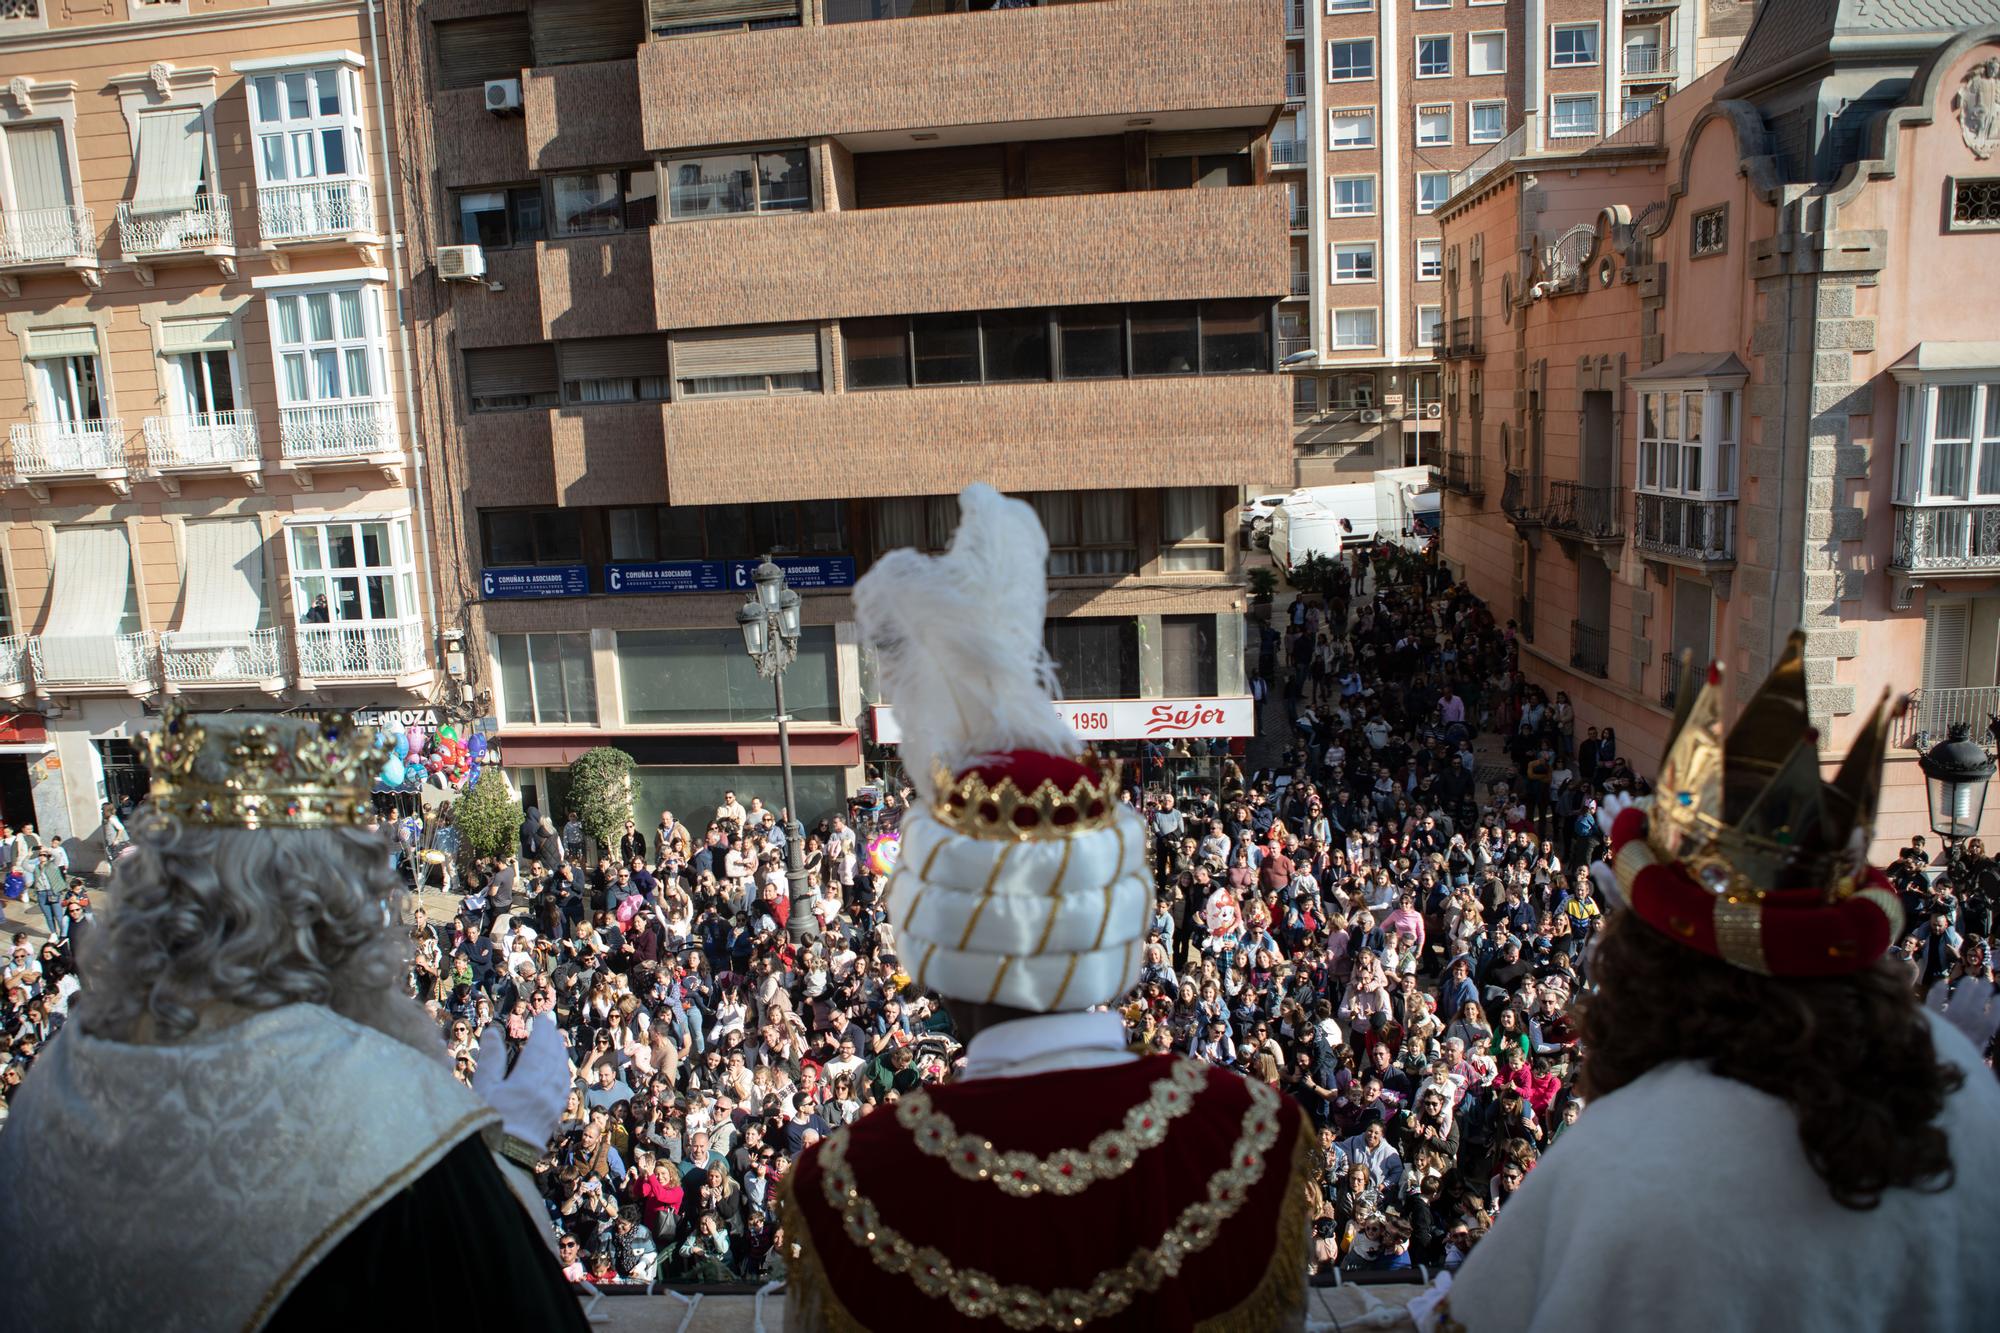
(161, 73)
(20, 88)
(1978, 105)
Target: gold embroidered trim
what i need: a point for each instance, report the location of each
(1739, 934)
(1070, 1171)
(979, 1295)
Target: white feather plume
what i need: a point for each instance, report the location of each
(958, 639)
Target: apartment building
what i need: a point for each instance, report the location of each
(1386, 102)
(1724, 381)
(206, 430)
(699, 281)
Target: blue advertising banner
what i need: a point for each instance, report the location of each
(536, 581)
(671, 576)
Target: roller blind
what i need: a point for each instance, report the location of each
(93, 580)
(569, 32)
(779, 349)
(173, 155)
(931, 176)
(1947, 629)
(198, 335)
(670, 14)
(471, 51)
(40, 170)
(614, 358)
(225, 583)
(492, 372)
(1191, 143)
(1076, 166)
(63, 342)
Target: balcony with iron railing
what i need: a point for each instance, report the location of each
(1291, 344)
(1295, 18)
(191, 661)
(34, 237)
(1606, 133)
(68, 448)
(1295, 85)
(333, 432)
(94, 661)
(14, 676)
(1589, 649)
(1301, 283)
(201, 227)
(1641, 61)
(1300, 217)
(223, 440)
(1521, 498)
(1932, 714)
(1685, 531)
(325, 210)
(1947, 539)
(1591, 513)
(1459, 340)
(1463, 472)
(372, 650)
(1289, 152)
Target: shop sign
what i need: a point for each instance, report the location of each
(535, 581)
(671, 576)
(409, 717)
(1130, 719)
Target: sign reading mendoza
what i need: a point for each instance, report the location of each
(536, 581)
(835, 571)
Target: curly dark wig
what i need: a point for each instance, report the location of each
(1852, 1055)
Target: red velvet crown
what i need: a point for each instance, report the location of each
(1027, 794)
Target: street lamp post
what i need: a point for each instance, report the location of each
(1956, 771)
(770, 625)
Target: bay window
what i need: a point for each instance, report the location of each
(308, 125)
(1688, 438)
(328, 344)
(1948, 441)
(347, 572)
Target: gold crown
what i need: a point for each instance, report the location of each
(970, 805)
(303, 770)
(1749, 814)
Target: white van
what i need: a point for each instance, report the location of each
(1322, 520)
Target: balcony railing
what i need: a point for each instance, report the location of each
(207, 439)
(1302, 284)
(1460, 338)
(1300, 217)
(60, 448)
(93, 659)
(47, 235)
(1589, 649)
(1288, 152)
(195, 659)
(337, 430)
(1289, 344)
(1931, 714)
(1595, 513)
(1462, 472)
(391, 648)
(13, 663)
(1947, 538)
(314, 210)
(1295, 18)
(1521, 498)
(1670, 680)
(204, 225)
(1492, 159)
(1568, 138)
(1648, 59)
(1295, 83)
(1700, 530)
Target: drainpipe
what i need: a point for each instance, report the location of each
(423, 523)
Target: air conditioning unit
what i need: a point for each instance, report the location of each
(461, 263)
(1433, 410)
(503, 96)
(1371, 416)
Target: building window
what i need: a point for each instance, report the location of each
(1351, 127)
(1353, 391)
(1434, 57)
(37, 181)
(1572, 44)
(1488, 123)
(776, 180)
(614, 370)
(472, 50)
(1573, 116)
(68, 386)
(349, 572)
(1349, 6)
(1708, 232)
(683, 676)
(308, 125)
(1350, 60)
(1434, 126)
(1354, 261)
(593, 203)
(1948, 441)
(1191, 529)
(200, 383)
(546, 679)
(510, 379)
(689, 18)
(1355, 327)
(1687, 441)
(1630, 108)
(1433, 188)
(1187, 657)
(920, 522)
(1095, 657)
(1433, 4)
(498, 219)
(766, 359)
(1429, 317)
(1090, 532)
(1486, 53)
(1430, 260)
(328, 345)
(1975, 203)
(1351, 196)
(727, 532)
(532, 536)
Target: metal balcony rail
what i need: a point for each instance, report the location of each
(1462, 472)
(195, 659)
(1521, 496)
(1595, 512)
(171, 228)
(1287, 345)
(93, 659)
(386, 648)
(1946, 537)
(47, 235)
(1567, 138)
(1589, 649)
(1302, 284)
(1288, 152)
(1651, 59)
(56, 448)
(1460, 337)
(1295, 18)
(1299, 217)
(1295, 83)
(310, 210)
(1932, 713)
(207, 439)
(337, 430)
(1490, 161)
(13, 660)
(1691, 529)
(1670, 679)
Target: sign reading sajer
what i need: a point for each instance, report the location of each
(1129, 719)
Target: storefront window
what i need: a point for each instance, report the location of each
(1096, 658)
(679, 676)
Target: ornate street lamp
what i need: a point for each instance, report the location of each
(770, 625)
(1956, 772)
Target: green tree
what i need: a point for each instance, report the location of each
(600, 792)
(489, 818)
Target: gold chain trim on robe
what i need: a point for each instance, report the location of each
(979, 1295)
(1279, 1299)
(1070, 1171)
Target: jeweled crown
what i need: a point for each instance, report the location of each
(978, 808)
(1749, 814)
(240, 770)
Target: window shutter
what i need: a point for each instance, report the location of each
(496, 372)
(778, 349)
(975, 172)
(569, 32)
(197, 335)
(173, 149)
(1193, 143)
(1693, 604)
(1076, 166)
(63, 342)
(471, 51)
(1946, 629)
(636, 357)
(671, 14)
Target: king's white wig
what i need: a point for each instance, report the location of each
(206, 921)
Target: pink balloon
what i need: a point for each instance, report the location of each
(417, 738)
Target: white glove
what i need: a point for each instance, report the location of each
(530, 1100)
(1606, 880)
(1974, 1010)
(1423, 1308)
(1611, 807)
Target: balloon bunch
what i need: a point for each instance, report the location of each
(416, 756)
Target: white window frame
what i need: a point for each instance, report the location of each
(349, 121)
(1596, 101)
(1354, 249)
(1417, 55)
(64, 123)
(1352, 115)
(1668, 461)
(369, 342)
(1374, 68)
(1375, 328)
(1596, 31)
(1333, 196)
(503, 700)
(1435, 246)
(1426, 207)
(1434, 109)
(1631, 107)
(1350, 6)
(173, 381)
(398, 573)
(1472, 110)
(1472, 46)
(1430, 330)
(1432, 4)
(58, 390)
(1917, 404)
